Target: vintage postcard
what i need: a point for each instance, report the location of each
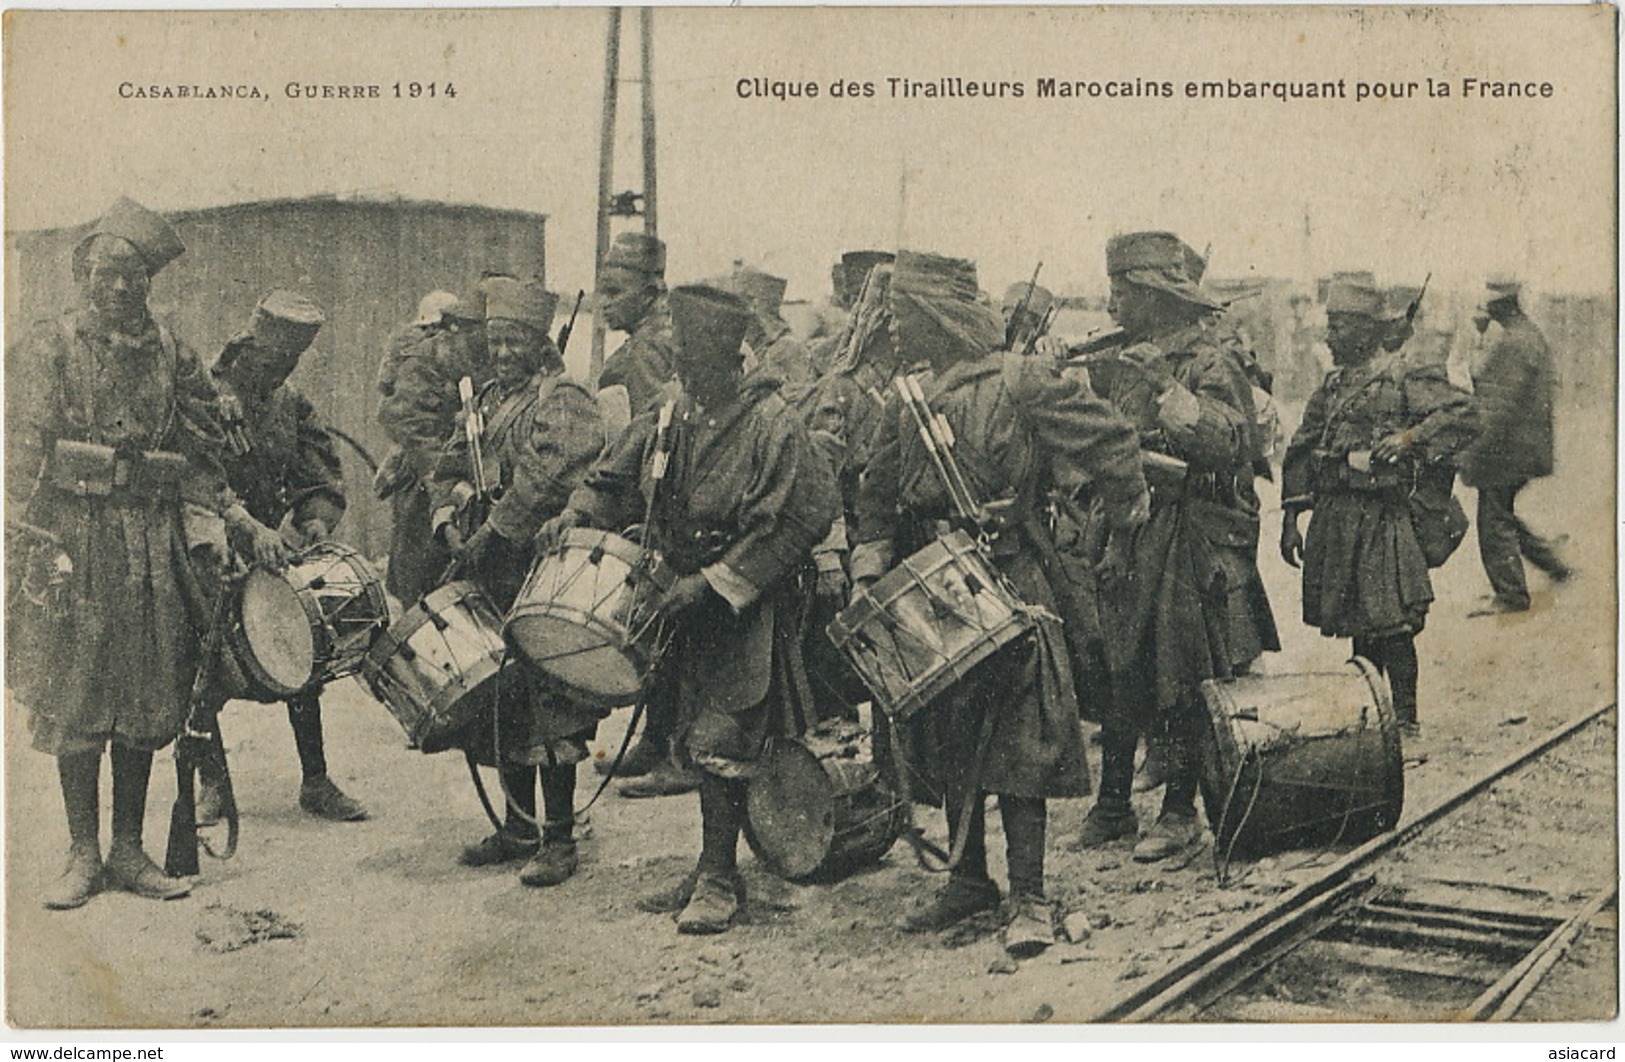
(1099, 515)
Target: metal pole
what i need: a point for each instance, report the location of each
(646, 30)
(606, 176)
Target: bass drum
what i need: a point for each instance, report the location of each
(819, 806)
(1295, 761)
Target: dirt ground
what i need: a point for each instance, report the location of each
(374, 924)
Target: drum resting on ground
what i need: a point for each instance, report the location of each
(1291, 761)
(820, 806)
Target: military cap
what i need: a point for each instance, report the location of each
(526, 302)
(1502, 286)
(708, 323)
(637, 252)
(1038, 304)
(1195, 264)
(286, 322)
(763, 291)
(857, 264)
(152, 236)
(433, 306)
(1353, 294)
(1323, 286)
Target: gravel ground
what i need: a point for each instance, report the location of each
(317, 924)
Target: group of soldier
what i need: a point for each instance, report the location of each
(1112, 486)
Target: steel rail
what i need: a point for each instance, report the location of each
(1178, 983)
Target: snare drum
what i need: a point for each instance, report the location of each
(925, 624)
(1291, 761)
(583, 615)
(437, 668)
(309, 625)
(820, 805)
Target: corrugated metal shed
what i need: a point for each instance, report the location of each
(367, 261)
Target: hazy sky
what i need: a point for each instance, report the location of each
(1459, 187)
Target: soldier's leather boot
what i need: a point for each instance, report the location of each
(1173, 833)
(318, 796)
(959, 899)
(664, 779)
(1105, 824)
(128, 868)
(712, 907)
(79, 881)
(1031, 928)
(671, 901)
(553, 865)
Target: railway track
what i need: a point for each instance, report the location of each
(1379, 936)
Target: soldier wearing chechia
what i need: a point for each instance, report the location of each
(631, 297)
(735, 514)
(286, 466)
(769, 342)
(1372, 433)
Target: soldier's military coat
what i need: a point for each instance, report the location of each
(1193, 607)
(1022, 430)
(116, 658)
(1364, 573)
(744, 501)
(539, 440)
(419, 409)
(643, 363)
(292, 464)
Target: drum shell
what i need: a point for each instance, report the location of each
(582, 615)
(437, 668)
(344, 607)
(820, 806)
(943, 636)
(1294, 761)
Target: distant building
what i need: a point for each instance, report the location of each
(367, 261)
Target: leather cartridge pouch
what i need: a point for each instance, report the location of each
(85, 469)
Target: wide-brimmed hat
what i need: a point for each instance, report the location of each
(524, 301)
(154, 238)
(1159, 260)
(286, 322)
(708, 323)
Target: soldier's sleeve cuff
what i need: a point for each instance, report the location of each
(732, 587)
(871, 560)
(442, 516)
(1298, 503)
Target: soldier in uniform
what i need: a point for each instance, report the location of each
(418, 409)
(1022, 430)
(631, 297)
(1025, 308)
(1181, 600)
(742, 502)
(769, 340)
(112, 424)
(1514, 386)
(285, 465)
(847, 278)
(1369, 433)
(542, 431)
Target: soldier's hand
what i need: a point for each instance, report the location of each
(553, 530)
(684, 594)
(267, 548)
(313, 531)
(1053, 347)
(1291, 541)
(1117, 559)
(1390, 448)
(451, 537)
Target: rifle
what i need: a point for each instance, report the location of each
(1416, 303)
(1041, 331)
(1014, 326)
(200, 738)
(570, 325)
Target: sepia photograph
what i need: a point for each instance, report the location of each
(681, 517)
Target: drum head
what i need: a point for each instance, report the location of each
(277, 636)
(580, 656)
(790, 811)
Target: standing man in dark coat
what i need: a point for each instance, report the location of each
(631, 297)
(288, 468)
(769, 339)
(542, 432)
(1514, 387)
(742, 502)
(418, 408)
(1374, 429)
(1022, 430)
(1181, 601)
(117, 440)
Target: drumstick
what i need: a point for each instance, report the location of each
(928, 438)
(945, 437)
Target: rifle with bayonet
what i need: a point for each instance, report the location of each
(200, 740)
(570, 326)
(1012, 327)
